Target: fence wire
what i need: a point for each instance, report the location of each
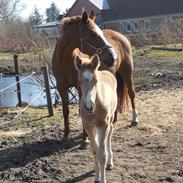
(17, 82)
(8, 123)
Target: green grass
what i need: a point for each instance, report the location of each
(28, 55)
(165, 53)
(6, 56)
(148, 51)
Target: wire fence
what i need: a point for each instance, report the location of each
(4, 89)
(73, 96)
(10, 122)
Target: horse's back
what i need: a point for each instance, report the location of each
(108, 79)
(116, 37)
(122, 46)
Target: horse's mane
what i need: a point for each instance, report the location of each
(67, 22)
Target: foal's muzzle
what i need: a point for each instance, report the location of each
(90, 108)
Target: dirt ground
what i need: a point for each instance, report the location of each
(32, 149)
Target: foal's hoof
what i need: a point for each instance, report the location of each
(109, 167)
(84, 145)
(134, 124)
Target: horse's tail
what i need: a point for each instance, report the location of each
(122, 93)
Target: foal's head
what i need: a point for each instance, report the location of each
(88, 78)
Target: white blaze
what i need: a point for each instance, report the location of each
(88, 75)
(89, 98)
(100, 33)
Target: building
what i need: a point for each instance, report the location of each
(131, 16)
(49, 29)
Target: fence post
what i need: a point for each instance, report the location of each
(47, 87)
(17, 80)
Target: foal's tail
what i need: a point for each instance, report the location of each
(122, 93)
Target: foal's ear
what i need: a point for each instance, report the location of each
(95, 61)
(85, 18)
(77, 63)
(92, 14)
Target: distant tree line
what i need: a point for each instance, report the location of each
(52, 14)
(16, 33)
(9, 12)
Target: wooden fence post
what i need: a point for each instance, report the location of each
(48, 93)
(17, 80)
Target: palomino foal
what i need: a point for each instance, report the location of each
(97, 108)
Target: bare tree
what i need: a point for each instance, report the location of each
(172, 33)
(8, 8)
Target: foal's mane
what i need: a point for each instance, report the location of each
(67, 22)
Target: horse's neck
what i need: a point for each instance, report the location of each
(71, 41)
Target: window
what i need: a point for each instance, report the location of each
(147, 25)
(168, 20)
(121, 27)
(82, 9)
(128, 26)
(136, 26)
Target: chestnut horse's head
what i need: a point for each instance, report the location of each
(93, 41)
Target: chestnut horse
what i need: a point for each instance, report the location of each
(114, 51)
(97, 109)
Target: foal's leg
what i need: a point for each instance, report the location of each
(65, 108)
(85, 142)
(110, 164)
(102, 153)
(94, 148)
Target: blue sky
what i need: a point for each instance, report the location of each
(28, 6)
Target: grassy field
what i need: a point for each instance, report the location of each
(165, 53)
(150, 52)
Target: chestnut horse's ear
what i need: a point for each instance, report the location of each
(92, 14)
(95, 61)
(77, 63)
(85, 18)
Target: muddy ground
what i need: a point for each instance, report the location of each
(32, 148)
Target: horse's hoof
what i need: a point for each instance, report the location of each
(134, 124)
(109, 167)
(84, 145)
(96, 181)
(66, 136)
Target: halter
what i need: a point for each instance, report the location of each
(84, 40)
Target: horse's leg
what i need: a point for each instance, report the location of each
(65, 108)
(110, 164)
(131, 93)
(94, 149)
(128, 79)
(103, 132)
(85, 142)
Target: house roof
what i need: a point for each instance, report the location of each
(101, 4)
(124, 9)
(49, 24)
